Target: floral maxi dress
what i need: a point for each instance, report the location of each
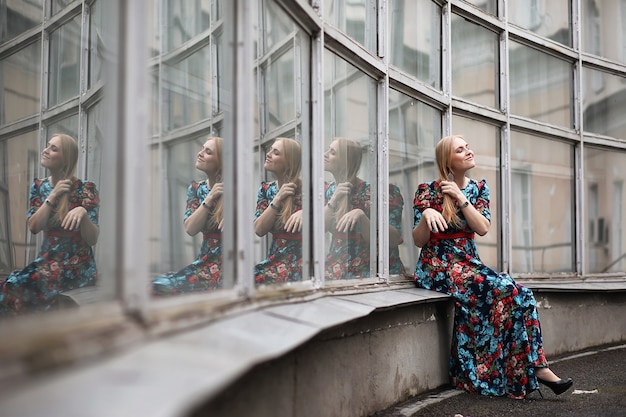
(284, 256)
(65, 261)
(205, 273)
(496, 342)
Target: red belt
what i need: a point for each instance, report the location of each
(62, 233)
(287, 236)
(453, 235)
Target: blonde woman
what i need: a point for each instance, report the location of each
(279, 211)
(347, 215)
(497, 345)
(203, 215)
(65, 208)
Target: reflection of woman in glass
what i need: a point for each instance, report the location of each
(203, 214)
(279, 211)
(66, 209)
(497, 345)
(347, 214)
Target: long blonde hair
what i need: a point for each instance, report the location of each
(443, 156)
(69, 154)
(350, 154)
(216, 217)
(293, 157)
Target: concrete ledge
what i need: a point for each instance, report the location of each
(169, 376)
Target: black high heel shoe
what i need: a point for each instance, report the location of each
(557, 387)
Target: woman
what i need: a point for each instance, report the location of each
(65, 208)
(347, 215)
(279, 211)
(203, 214)
(497, 345)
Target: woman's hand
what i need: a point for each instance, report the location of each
(342, 191)
(60, 188)
(286, 190)
(348, 221)
(215, 194)
(452, 189)
(73, 218)
(294, 222)
(434, 220)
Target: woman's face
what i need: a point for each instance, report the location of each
(208, 160)
(275, 161)
(462, 158)
(52, 156)
(332, 161)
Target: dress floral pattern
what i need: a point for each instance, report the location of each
(497, 337)
(205, 273)
(284, 256)
(349, 254)
(64, 262)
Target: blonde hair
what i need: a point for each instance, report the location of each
(350, 154)
(293, 157)
(69, 154)
(443, 156)
(216, 217)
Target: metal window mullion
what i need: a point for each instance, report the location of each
(382, 182)
(317, 237)
(504, 235)
(83, 77)
(132, 120)
(238, 165)
(446, 66)
(579, 152)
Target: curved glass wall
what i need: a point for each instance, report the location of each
(331, 108)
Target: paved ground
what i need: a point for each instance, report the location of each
(599, 391)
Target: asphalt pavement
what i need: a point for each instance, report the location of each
(599, 391)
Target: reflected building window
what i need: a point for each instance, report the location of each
(604, 207)
(543, 175)
(474, 62)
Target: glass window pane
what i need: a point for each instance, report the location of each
(61, 261)
(64, 66)
(541, 86)
(17, 16)
(186, 19)
(357, 18)
(97, 46)
(416, 47)
(550, 19)
(21, 162)
(69, 126)
(20, 84)
(605, 175)
(282, 82)
(58, 5)
(474, 62)
(350, 133)
(484, 140)
(95, 137)
(188, 89)
(414, 129)
(604, 28)
(542, 177)
(604, 98)
(489, 6)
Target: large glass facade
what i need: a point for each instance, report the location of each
(276, 152)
